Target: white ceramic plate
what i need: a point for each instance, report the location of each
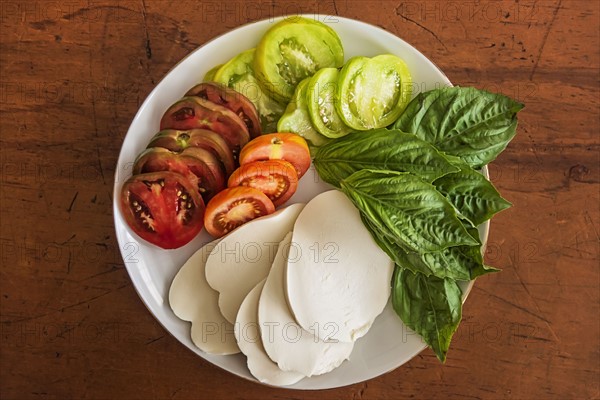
(389, 343)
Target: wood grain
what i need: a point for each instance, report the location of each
(73, 74)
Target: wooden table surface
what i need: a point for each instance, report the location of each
(73, 74)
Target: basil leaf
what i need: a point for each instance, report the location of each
(472, 194)
(459, 262)
(483, 269)
(380, 149)
(393, 249)
(430, 306)
(472, 124)
(408, 209)
(472, 257)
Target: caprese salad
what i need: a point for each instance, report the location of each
(407, 197)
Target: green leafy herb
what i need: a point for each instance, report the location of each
(407, 208)
(459, 262)
(430, 306)
(472, 124)
(471, 193)
(380, 149)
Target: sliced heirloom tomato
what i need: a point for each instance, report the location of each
(232, 100)
(210, 75)
(162, 208)
(178, 141)
(193, 113)
(321, 98)
(296, 119)
(278, 146)
(238, 74)
(277, 179)
(233, 207)
(293, 49)
(199, 166)
(373, 92)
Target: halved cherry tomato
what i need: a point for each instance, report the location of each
(278, 146)
(231, 99)
(199, 166)
(193, 112)
(162, 208)
(233, 207)
(178, 141)
(277, 179)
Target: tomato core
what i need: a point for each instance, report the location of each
(240, 212)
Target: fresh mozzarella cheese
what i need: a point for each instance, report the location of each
(286, 343)
(247, 333)
(337, 278)
(244, 257)
(192, 299)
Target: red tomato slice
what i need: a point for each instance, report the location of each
(201, 167)
(234, 207)
(195, 113)
(277, 179)
(178, 141)
(231, 99)
(162, 208)
(278, 146)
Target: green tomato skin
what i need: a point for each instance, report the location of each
(292, 50)
(238, 74)
(321, 98)
(296, 119)
(210, 75)
(373, 92)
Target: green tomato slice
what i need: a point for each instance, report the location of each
(238, 74)
(296, 119)
(321, 97)
(210, 75)
(292, 50)
(373, 92)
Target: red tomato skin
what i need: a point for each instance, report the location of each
(234, 207)
(278, 146)
(231, 99)
(162, 206)
(277, 179)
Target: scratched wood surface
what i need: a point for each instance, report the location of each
(73, 74)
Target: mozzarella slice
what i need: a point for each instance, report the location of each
(244, 257)
(337, 278)
(248, 336)
(293, 348)
(192, 299)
